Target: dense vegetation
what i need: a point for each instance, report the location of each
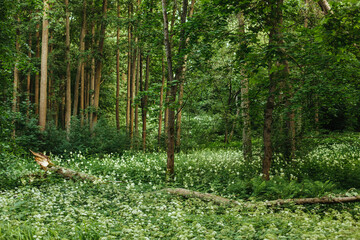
(249, 100)
(39, 206)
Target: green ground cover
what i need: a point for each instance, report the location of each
(133, 208)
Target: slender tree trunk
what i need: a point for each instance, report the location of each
(133, 91)
(137, 89)
(28, 82)
(92, 80)
(245, 103)
(181, 85)
(161, 101)
(128, 96)
(171, 118)
(145, 102)
(99, 63)
(44, 59)
(117, 70)
(82, 63)
(68, 71)
(16, 74)
(37, 76)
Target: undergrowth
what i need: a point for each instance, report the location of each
(38, 205)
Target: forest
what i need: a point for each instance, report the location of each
(179, 119)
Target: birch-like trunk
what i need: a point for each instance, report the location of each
(44, 59)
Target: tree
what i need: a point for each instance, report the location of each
(68, 70)
(44, 59)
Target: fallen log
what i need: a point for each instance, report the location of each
(322, 200)
(47, 165)
(225, 201)
(204, 196)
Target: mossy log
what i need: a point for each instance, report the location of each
(225, 201)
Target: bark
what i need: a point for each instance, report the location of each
(161, 101)
(171, 113)
(137, 89)
(182, 80)
(28, 82)
(203, 196)
(225, 201)
(68, 72)
(37, 76)
(92, 79)
(325, 6)
(245, 103)
(128, 97)
(16, 74)
(117, 71)
(80, 74)
(98, 67)
(44, 59)
(132, 92)
(274, 24)
(46, 164)
(145, 102)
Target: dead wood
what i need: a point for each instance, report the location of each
(225, 201)
(47, 165)
(204, 196)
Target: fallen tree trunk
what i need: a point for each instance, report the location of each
(204, 196)
(47, 165)
(225, 201)
(322, 200)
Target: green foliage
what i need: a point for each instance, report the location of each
(35, 205)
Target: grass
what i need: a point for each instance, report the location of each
(33, 207)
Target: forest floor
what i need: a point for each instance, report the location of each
(38, 205)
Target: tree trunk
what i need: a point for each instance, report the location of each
(117, 70)
(68, 71)
(145, 102)
(44, 59)
(98, 68)
(37, 76)
(28, 82)
(325, 6)
(245, 102)
(171, 99)
(137, 89)
(161, 101)
(16, 74)
(274, 22)
(128, 96)
(182, 80)
(132, 93)
(82, 63)
(92, 79)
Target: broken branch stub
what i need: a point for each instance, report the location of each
(47, 165)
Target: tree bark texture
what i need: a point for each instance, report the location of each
(182, 80)
(92, 79)
(44, 59)
(98, 67)
(245, 102)
(145, 102)
(171, 113)
(68, 71)
(28, 82)
(325, 6)
(37, 75)
(274, 24)
(161, 100)
(117, 71)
